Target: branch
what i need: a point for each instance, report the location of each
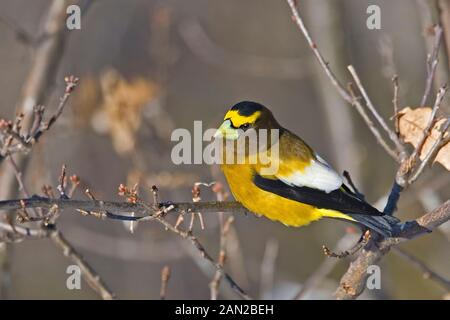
(346, 95)
(111, 209)
(202, 46)
(325, 268)
(336, 83)
(432, 62)
(165, 276)
(372, 127)
(215, 283)
(49, 229)
(394, 138)
(428, 273)
(92, 278)
(354, 280)
(46, 59)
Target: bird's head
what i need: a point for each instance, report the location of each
(243, 116)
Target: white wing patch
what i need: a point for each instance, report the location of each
(318, 175)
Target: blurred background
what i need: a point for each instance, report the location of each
(147, 67)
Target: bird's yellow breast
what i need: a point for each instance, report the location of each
(272, 206)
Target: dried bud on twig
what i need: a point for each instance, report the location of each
(71, 83)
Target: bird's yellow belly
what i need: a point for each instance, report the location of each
(272, 206)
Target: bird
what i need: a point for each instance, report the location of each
(303, 188)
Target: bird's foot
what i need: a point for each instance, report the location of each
(365, 237)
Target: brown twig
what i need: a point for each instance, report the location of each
(215, 283)
(429, 17)
(431, 122)
(356, 273)
(431, 154)
(48, 229)
(345, 94)
(325, 268)
(432, 62)
(157, 213)
(165, 276)
(267, 274)
(113, 209)
(36, 130)
(428, 273)
(204, 254)
(199, 42)
(395, 105)
(372, 127)
(394, 138)
(89, 274)
(20, 33)
(336, 83)
(353, 281)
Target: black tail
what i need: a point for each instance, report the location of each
(384, 225)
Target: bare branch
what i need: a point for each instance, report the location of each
(432, 62)
(201, 45)
(394, 138)
(431, 122)
(431, 154)
(165, 276)
(268, 270)
(346, 95)
(372, 127)
(92, 278)
(215, 283)
(325, 268)
(336, 83)
(353, 281)
(428, 273)
(112, 209)
(395, 104)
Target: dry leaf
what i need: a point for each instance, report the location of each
(412, 122)
(123, 104)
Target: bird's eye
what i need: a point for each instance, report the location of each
(245, 126)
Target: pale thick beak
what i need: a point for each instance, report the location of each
(227, 131)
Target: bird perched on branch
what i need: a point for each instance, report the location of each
(302, 188)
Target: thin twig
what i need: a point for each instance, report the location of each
(395, 104)
(431, 154)
(359, 107)
(165, 276)
(431, 122)
(428, 273)
(49, 230)
(394, 138)
(324, 269)
(113, 209)
(215, 283)
(353, 281)
(268, 269)
(346, 95)
(187, 235)
(336, 83)
(205, 255)
(432, 62)
(91, 277)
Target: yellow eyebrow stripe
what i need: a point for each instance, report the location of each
(238, 120)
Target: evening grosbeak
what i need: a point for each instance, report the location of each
(303, 188)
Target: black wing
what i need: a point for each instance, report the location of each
(341, 200)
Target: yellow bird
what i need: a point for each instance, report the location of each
(302, 189)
